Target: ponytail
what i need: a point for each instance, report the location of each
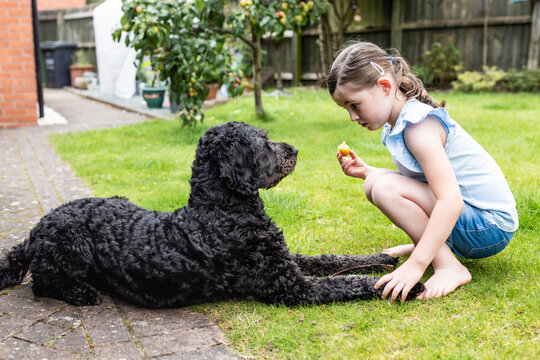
(411, 86)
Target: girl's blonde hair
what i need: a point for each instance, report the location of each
(360, 63)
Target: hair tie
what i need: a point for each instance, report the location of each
(377, 67)
(391, 59)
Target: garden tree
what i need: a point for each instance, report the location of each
(344, 11)
(189, 42)
(177, 39)
(258, 17)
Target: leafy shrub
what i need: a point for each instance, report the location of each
(176, 40)
(443, 61)
(525, 80)
(422, 72)
(474, 81)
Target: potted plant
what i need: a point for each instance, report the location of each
(213, 78)
(152, 93)
(80, 66)
(212, 82)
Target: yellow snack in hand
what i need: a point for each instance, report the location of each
(344, 149)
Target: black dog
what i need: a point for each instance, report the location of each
(221, 245)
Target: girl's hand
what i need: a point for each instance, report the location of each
(401, 280)
(354, 166)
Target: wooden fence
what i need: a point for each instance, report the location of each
(503, 33)
(73, 25)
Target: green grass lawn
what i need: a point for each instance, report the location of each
(321, 210)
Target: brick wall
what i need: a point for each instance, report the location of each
(18, 87)
(43, 5)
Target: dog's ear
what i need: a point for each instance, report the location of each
(237, 167)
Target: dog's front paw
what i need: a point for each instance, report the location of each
(415, 291)
(384, 261)
(82, 295)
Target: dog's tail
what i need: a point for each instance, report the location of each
(14, 266)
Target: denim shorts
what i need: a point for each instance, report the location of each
(473, 237)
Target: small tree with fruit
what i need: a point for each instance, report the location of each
(186, 40)
(257, 17)
(178, 40)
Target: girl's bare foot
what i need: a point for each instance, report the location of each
(400, 250)
(444, 281)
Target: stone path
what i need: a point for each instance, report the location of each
(33, 180)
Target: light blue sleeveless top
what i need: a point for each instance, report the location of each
(480, 179)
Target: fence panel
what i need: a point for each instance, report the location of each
(495, 32)
(47, 30)
(81, 31)
(74, 25)
(288, 54)
(506, 23)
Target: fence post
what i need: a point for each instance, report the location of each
(297, 51)
(485, 34)
(60, 24)
(396, 31)
(534, 44)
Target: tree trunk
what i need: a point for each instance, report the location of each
(340, 33)
(341, 9)
(257, 73)
(325, 40)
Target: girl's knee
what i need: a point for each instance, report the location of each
(368, 187)
(384, 190)
(377, 184)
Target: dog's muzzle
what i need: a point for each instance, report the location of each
(288, 158)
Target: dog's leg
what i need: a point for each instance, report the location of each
(61, 272)
(59, 286)
(314, 290)
(324, 265)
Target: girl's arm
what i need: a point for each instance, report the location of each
(426, 141)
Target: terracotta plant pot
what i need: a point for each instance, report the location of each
(78, 71)
(212, 91)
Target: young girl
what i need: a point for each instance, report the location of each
(448, 194)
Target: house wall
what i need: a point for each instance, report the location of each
(44, 5)
(18, 85)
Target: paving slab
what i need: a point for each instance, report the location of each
(34, 180)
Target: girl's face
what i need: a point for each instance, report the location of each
(370, 108)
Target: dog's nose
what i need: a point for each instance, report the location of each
(288, 149)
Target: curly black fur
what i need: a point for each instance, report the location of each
(221, 245)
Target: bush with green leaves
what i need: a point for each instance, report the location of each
(177, 38)
(274, 17)
(255, 18)
(474, 81)
(443, 61)
(423, 73)
(526, 80)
